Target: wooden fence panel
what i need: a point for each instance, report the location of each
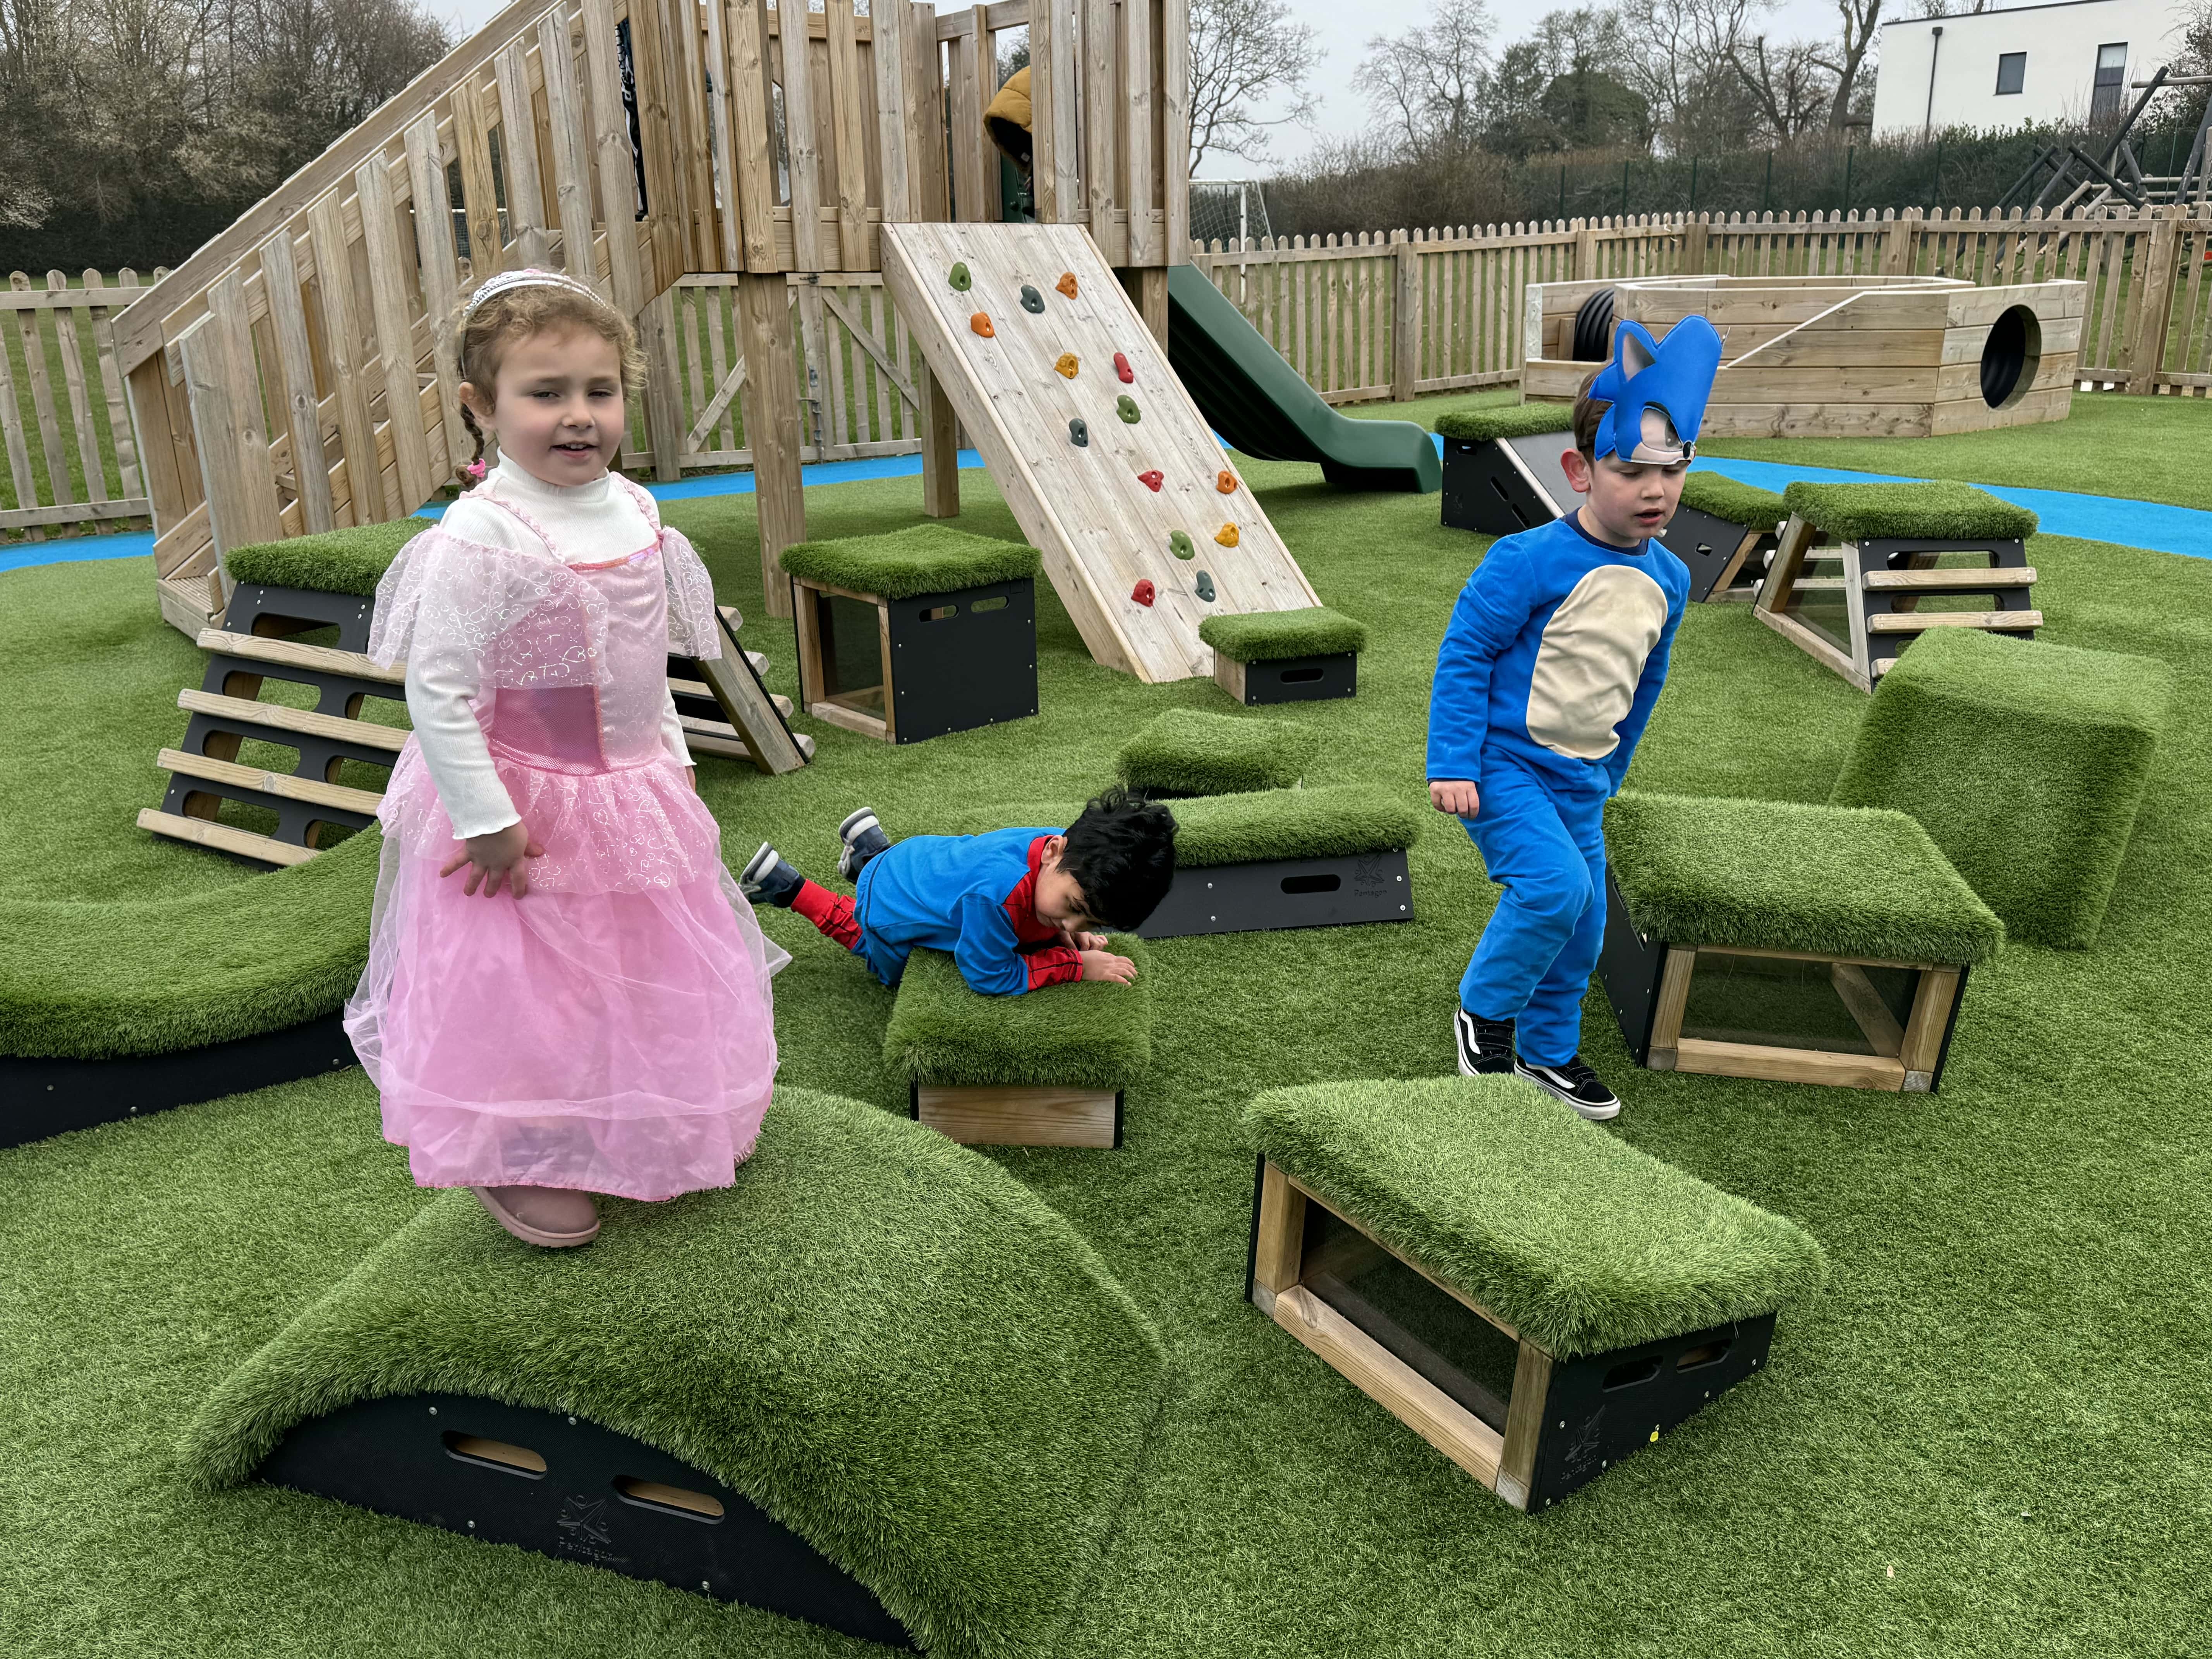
(73, 460)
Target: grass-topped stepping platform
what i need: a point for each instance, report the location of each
(1047, 1068)
(1915, 558)
(1721, 530)
(1285, 656)
(1776, 940)
(1502, 471)
(112, 1008)
(1530, 1294)
(917, 633)
(2025, 761)
(876, 1383)
(1189, 751)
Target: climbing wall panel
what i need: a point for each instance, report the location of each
(1081, 494)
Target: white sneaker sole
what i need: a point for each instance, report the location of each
(856, 824)
(757, 866)
(1594, 1114)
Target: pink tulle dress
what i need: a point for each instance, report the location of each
(610, 1030)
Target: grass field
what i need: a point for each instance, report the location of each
(1990, 1434)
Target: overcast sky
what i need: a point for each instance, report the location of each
(1342, 31)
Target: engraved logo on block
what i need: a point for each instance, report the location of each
(585, 1532)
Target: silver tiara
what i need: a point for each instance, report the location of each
(528, 276)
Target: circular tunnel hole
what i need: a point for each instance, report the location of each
(2009, 357)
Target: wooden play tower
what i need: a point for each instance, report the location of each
(296, 373)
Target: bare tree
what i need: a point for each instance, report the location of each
(1679, 57)
(1791, 86)
(1428, 83)
(1245, 54)
(1861, 21)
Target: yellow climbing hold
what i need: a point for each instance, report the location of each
(1226, 535)
(1067, 364)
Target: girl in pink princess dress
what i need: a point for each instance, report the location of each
(566, 993)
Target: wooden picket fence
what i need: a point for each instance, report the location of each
(72, 459)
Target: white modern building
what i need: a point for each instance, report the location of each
(2067, 62)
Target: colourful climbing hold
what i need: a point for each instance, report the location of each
(1128, 376)
(1180, 544)
(1066, 283)
(980, 322)
(1205, 589)
(1078, 434)
(1125, 407)
(1225, 482)
(959, 277)
(1226, 535)
(1067, 364)
(1153, 480)
(1031, 300)
(1143, 592)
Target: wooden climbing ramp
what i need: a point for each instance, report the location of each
(1102, 526)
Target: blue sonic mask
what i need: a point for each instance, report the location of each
(1657, 392)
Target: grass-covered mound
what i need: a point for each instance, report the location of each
(1570, 1235)
(1268, 635)
(889, 1345)
(1506, 421)
(925, 558)
(95, 979)
(1189, 751)
(336, 561)
(1089, 1035)
(2025, 761)
(1939, 511)
(1789, 877)
(1338, 820)
(1732, 500)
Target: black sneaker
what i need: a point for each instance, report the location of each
(766, 879)
(863, 837)
(1485, 1046)
(1574, 1082)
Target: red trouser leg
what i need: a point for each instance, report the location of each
(830, 912)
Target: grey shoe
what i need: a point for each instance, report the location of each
(863, 838)
(766, 879)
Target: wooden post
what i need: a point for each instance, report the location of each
(1897, 243)
(2154, 311)
(664, 408)
(1585, 251)
(1406, 320)
(1694, 234)
(771, 409)
(229, 427)
(1174, 133)
(1147, 289)
(940, 450)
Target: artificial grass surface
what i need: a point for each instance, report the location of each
(1736, 503)
(2017, 1323)
(1093, 1033)
(1939, 510)
(1506, 421)
(336, 561)
(1190, 751)
(1265, 636)
(890, 1346)
(2025, 761)
(1465, 1176)
(1341, 820)
(1840, 881)
(924, 558)
(99, 978)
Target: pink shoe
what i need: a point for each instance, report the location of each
(556, 1218)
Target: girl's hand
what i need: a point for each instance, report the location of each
(497, 858)
(1104, 964)
(691, 777)
(1086, 941)
(1455, 796)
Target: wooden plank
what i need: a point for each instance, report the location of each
(2000, 621)
(72, 356)
(518, 140)
(1666, 1015)
(230, 427)
(312, 790)
(223, 838)
(111, 381)
(438, 266)
(42, 400)
(849, 136)
(868, 342)
(1751, 1059)
(1138, 124)
(341, 343)
(394, 336)
(1867, 1008)
(725, 392)
(1921, 1045)
(971, 151)
(1965, 582)
(1279, 1242)
(750, 707)
(288, 653)
(1006, 1115)
(296, 369)
(1054, 47)
(479, 193)
(802, 150)
(1173, 80)
(1102, 119)
(613, 160)
(930, 179)
(282, 717)
(11, 424)
(1524, 1425)
(771, 413)
(569, 126)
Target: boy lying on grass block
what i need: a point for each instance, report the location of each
(1016, 908)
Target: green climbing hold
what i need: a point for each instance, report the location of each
(1180, 545)
(1078, 434)
(1031, 300)
(1125, 407)
(1205, 587)
(959, 277)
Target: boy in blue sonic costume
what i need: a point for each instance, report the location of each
(1547, 674)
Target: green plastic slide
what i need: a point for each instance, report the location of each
(1260, 405)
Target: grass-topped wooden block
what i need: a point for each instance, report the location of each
(876, 1384)
(1907, 560)
(1046, 1068)
(1721, 531)
(1502, 471)
(1529, 1293)
(916, 634)
(1776, 940)
(1285, 656)
(2025, 761)
(1187, 752)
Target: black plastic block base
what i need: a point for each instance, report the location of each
(1242, 898)
(1501, 486)
(264, 608)
(1628, 967)
(1302, 679)
(599, 1499)
(964, 660)
(1705, 544)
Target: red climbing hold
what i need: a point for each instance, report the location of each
(1153, 480)
(1127, 375)
(1142, 593)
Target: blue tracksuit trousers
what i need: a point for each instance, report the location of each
(1533, 964)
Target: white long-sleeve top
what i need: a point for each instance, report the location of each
(588, 523)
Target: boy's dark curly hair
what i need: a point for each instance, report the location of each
(1121, 852)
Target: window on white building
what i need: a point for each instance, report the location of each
(2012, 71)
(2112, 71)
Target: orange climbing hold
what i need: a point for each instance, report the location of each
(1226, 535)
(980, 322)
(1066, 283)
(1121, 369)
(1067, 364)
(1225, 482)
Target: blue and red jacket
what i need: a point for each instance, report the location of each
(974, 895)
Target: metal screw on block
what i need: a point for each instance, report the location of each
(704, 1585)
(434, 1411)
(572, 1422)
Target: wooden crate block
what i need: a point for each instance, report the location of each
(906, 670)
(1315, 892)
(1723, 558)
(1019, 1114)
(1289, 679)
